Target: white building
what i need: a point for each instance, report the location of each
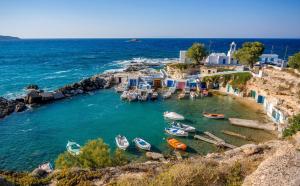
(222, 58)
(272, 59)
(183, 58)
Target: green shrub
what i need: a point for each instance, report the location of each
(294, 126)
(95, 154)
(235, 176)
(294, 61)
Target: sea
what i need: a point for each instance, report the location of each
(40, 134)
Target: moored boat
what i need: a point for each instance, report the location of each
(124, 95)
(176, 131)
(181, 95)
(167, 95)
(173, 116)
(154, 96)
(73, 148)
(122, 142)
(193, 95)
(142, 144)
(185, 127)
(47, 167)
(176, 144)
(213, 115)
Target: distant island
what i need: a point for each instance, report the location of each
(5, 38)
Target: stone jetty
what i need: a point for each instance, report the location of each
(36, 97)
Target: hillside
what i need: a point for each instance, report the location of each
(6, 38)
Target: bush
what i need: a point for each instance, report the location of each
(294, 61)
(95, 154)
(294, 126)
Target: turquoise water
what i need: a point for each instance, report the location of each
(32, 137)
(40, 134)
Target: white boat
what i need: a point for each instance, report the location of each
(167, 95)
(122, 142)
(193, 95)
(154, 95)
(142, 144)
(176, 131)
(185, 127)
(124, 95)
(73, 148)
(47, 167)
(173, 116)
(132, 96)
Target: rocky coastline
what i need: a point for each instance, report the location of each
(36, 97)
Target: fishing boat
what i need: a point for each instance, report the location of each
(173, 116)
(185, 127)
(122, 142)
(193, 95)
(213, 115)
(73, 148)
(154, 95)
(176, 144)
(142, 144)
(167, 95)
(124, 95)
(132, 96)
(142, 97)
(181, 95)
(47, 167)
(176, 132)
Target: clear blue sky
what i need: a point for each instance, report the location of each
(150, 18)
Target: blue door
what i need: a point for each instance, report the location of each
(260, 99)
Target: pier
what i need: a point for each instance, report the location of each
(230, 133)
(219, 142)
(252, 124)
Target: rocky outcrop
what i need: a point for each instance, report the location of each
(36, 97)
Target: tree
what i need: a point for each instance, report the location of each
(197, 52)
(294, 126)
(249, 53)
(94, 154)
(294, 61)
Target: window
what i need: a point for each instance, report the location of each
(224, 61)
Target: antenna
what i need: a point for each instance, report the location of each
(272, 49)
(286, 48)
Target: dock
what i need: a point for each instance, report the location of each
(214, 137)
(252, 124)
(218, 143)
(230, 133)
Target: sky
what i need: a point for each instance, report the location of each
(150, 18)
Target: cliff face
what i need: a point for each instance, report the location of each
(283, 87)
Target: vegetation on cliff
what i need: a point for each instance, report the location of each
(95, 154)
(249, 53)
(294, 61)
(236, 80)
(294, 126)
(197, 52)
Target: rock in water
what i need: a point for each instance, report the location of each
(20, 106)
(33, 97)
(32, 87)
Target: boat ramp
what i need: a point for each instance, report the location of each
(252, 124)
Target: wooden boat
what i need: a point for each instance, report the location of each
(122, 142)
(185, 127)
(176, 132)
(47, 167)
(132, 96)
(193, 95)
(213, 115)
(176, 144)
(205, 93)
(73, 148)
(154, 96)
(142, 144)
(167, 95)
(173, 116)
(181, 95)
(124, 95)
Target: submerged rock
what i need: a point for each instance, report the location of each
(20, 106)
(32, 87)
(33, 97)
